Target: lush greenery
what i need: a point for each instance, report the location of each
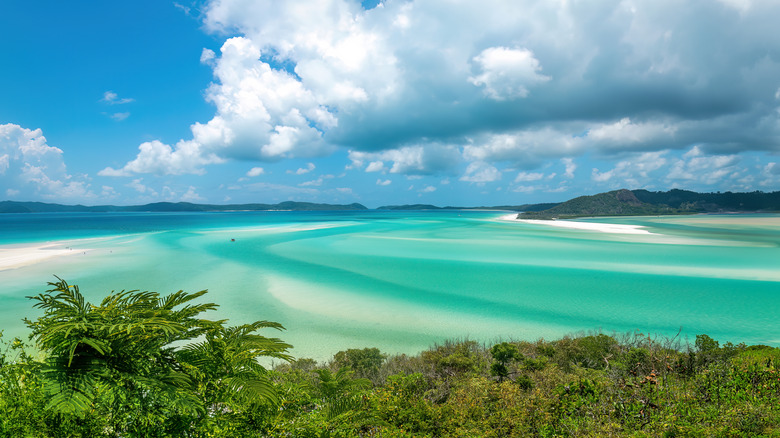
(142, 365)
(642, 203)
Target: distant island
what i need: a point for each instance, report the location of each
(41, 207)
(615, 203)
(645, 203)
(523, 207)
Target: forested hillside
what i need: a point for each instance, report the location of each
(642, 203)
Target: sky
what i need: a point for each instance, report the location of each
(445, 102)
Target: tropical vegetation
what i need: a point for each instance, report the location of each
(143, 365)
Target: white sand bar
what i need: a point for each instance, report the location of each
(588, 226)
(12, 256)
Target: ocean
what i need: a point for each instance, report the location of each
(403, 281)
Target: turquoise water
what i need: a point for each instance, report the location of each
(402, 281)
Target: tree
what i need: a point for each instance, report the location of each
(365, 362)
(503, 354)
(120, 356)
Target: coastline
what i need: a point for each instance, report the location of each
(17, 256)
(585, 226)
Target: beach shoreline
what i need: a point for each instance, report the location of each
(577, 225)
(17, 256)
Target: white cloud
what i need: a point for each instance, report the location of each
(375, 166)
(30, 168)
(481, 172)
(570, 167)
(112, 98)
(386, 182)
(527, 176)
(518, 82)
(695, 166)
(108, 192)
(262, 113)
(192, 196)
(525, 189)
(140, 187)
(5, 163)
(634, 172)
(207, 56)
(623, 134)
(526, 148)
(428, 189)
(314, 183)
(120, 116)
(409, 160)
(770, 175)
(303, 170)
(255, 171)
(507, 73)
(162, 159)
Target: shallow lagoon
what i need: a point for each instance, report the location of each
(402, 281)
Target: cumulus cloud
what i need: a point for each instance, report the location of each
(529, 176)
(192, 196)
(507, 73)
(570, 167)
(30, 168)
(520, 83)
(255, 171)
(386, 182)
(633, 172)
(313, 183)
(138, 185)
(302, 170)
(481, 172)
(161, 159)
(695, 166)
(409, 160)
(375, 166)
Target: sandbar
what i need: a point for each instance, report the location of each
(17, 256)
(588, 226)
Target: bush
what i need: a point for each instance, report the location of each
(364, 362)
(456, 357)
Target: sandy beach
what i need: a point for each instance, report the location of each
(12, 256)
(588, 226)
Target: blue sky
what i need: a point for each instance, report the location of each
(444, 102)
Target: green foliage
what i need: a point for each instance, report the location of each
(535, 364)
(331, 385)
(365, 362)
(524, 382)
(590, 385)
(113, 350)
(117, 360)
(456, 357)
(503, 354)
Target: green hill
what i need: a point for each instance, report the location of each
(642, 203)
